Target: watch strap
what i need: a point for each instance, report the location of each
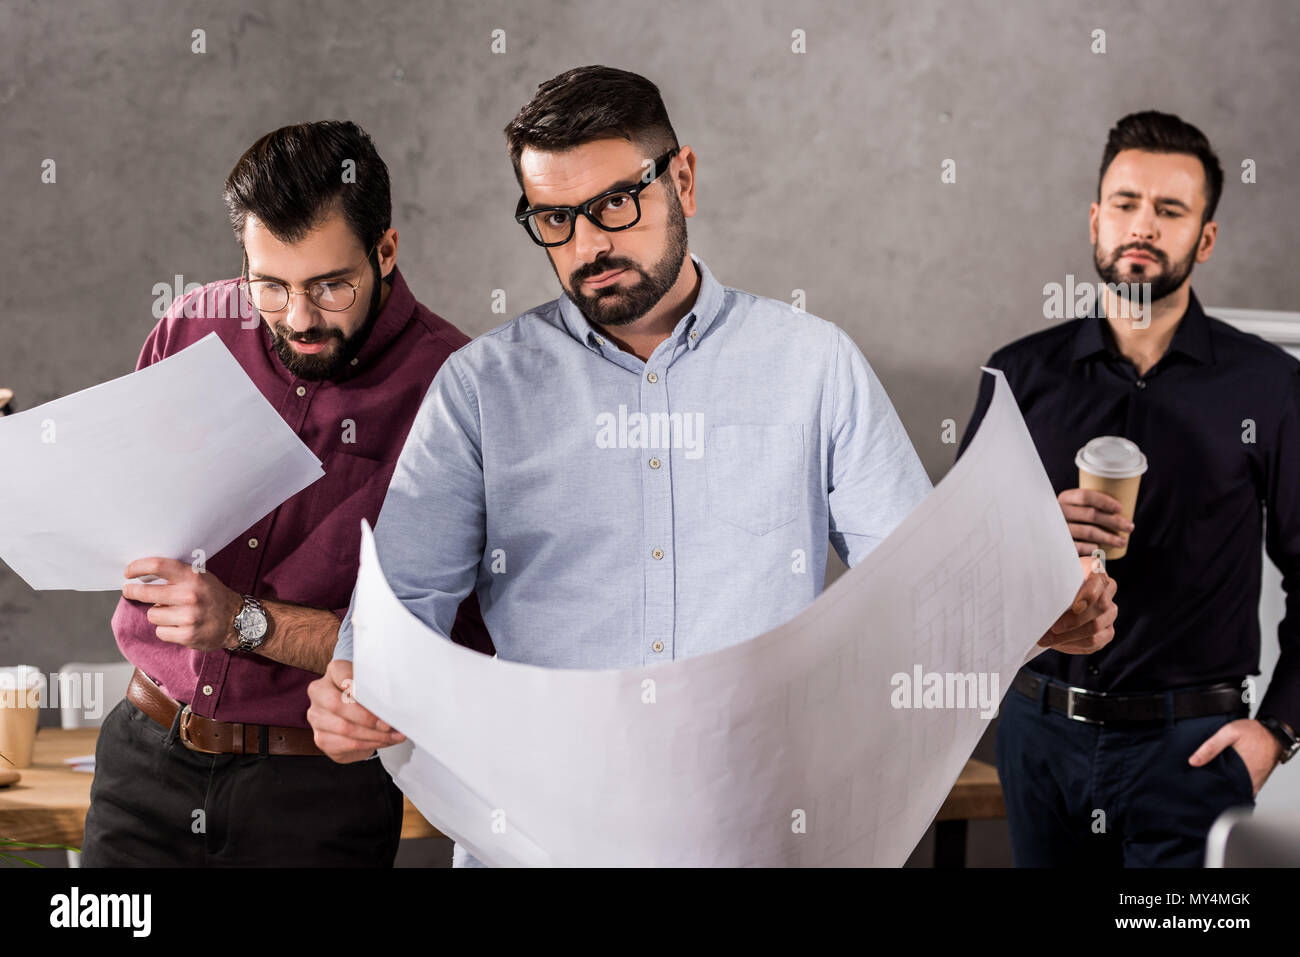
(1285, 736)
(245, 644)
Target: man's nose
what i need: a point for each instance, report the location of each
(590, 241)
(300, 314)
(1143, 225)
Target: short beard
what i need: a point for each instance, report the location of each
(1168, 280)
(317, 367)
(616, 306)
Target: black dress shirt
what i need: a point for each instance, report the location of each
(1189, 585)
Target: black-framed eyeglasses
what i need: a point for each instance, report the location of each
(614, 209)
(332, 295)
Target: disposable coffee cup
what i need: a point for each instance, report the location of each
(1112, 465)
(20, 700)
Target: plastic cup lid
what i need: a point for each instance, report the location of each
(1109, 456)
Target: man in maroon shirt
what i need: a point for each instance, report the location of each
(210, 760)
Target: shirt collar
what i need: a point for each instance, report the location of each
(694, 325)
(390, 322)
(1191, 338)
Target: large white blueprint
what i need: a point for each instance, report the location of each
(173, 460)
(720, 759)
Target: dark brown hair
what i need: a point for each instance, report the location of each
(292, 179)
(590, 103)
(1165, 133)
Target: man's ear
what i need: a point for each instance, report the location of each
(685, 180)
(387, 248)
(1205, 245)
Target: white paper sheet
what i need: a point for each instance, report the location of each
(533, 766)
(182, 455)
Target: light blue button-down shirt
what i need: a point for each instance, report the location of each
(613, 512)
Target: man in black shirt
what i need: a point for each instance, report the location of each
(1127, 756)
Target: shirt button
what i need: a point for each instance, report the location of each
(207, 689)
(301, 390)
(651, 377)
(1141, 383)
(658, 646)
(252, 543)
(600, 341)
(658, 553)
(654, 463)
(694, 334)
(1093, 670)
(355, 361)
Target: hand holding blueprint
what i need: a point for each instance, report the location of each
(793, 748)
(180, 456)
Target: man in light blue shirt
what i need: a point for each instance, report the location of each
(651, 466)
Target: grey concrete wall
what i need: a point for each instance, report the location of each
(817, 171)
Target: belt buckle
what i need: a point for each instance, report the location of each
(186, 714)
(1069, 706)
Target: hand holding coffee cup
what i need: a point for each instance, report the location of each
(1099, 512)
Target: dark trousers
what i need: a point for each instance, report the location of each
(156, 803)
(1081, 794)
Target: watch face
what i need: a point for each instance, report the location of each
(251, 624)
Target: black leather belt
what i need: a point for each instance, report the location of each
(1099, 707)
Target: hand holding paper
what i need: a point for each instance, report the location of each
(174, 460)
(811, 744)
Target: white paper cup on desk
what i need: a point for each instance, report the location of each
(21, 690)
(1113, 465)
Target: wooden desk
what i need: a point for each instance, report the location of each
(48, 806)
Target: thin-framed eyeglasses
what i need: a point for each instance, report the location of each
(332, 295)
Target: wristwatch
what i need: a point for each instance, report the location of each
(1282, 731)
(250, 624)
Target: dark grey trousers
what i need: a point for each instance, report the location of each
(155, 803)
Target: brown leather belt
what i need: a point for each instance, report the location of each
(216, 737)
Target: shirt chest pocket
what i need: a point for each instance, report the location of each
(754, 475)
